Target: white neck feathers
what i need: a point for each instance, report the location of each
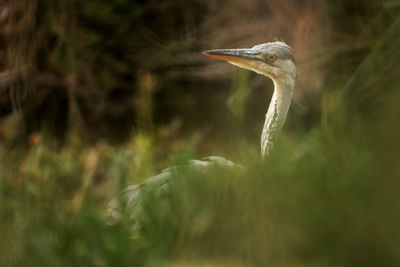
(277, 112)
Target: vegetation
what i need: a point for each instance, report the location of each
(97, 95)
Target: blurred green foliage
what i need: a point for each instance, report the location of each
(79, 76)
(239, 93)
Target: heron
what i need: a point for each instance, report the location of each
(274, 60)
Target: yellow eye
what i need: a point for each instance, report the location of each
(271, 57)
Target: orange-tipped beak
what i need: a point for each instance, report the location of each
(220, 57)
(233, 54)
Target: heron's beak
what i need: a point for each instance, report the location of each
(234, 55)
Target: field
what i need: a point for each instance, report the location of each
(99, 95)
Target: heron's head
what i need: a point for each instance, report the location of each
(274, 60)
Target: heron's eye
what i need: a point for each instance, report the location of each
(271, 57)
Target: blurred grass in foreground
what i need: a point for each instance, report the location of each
(324, 199)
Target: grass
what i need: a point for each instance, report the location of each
(323, 199)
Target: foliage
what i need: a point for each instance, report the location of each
(326, 197)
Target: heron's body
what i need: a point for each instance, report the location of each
(274, 60)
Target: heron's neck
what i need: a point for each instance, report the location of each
(277, 111)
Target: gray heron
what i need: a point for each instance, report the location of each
(274, 60)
